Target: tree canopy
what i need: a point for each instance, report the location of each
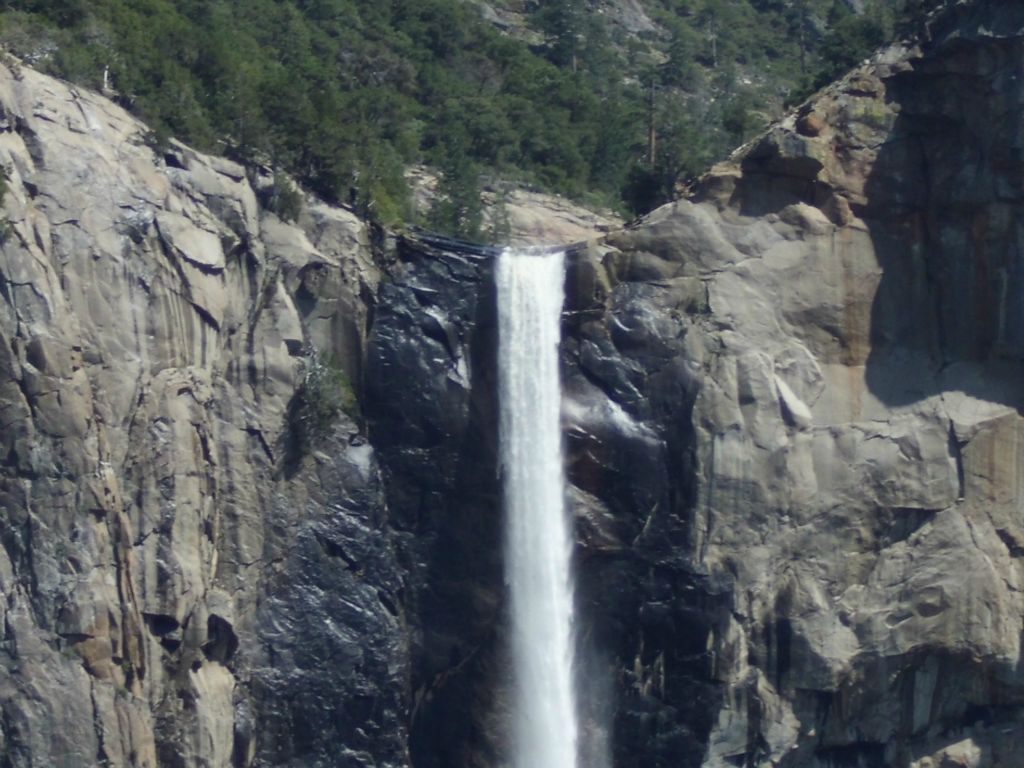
(345, 94)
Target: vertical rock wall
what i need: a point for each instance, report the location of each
(792, 413)
(175, 591)
(793, 416)
(853, 499)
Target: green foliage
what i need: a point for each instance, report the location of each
(341, 93)
(687, 143)
(849, 40)
(499, 228)
(642, 190)
(282, 198)
(344, 94)
(563, 23)
(5, 225)
(325, 394)
(457, 209)
(681, 69)
(739, 117)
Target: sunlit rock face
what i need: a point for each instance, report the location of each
(178, 588)
(790, 411)
(848, 293)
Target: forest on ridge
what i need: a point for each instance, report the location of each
(345, 95)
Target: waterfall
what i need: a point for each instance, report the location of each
(538, 540)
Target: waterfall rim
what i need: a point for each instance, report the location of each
(433, 243)
(535, 251)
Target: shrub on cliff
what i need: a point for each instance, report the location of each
(325, 394)
(282, 198)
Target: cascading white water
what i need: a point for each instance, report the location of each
(538, 543)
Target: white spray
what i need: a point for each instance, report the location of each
(538, 543)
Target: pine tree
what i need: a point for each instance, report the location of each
(563, 23)
(457, 209)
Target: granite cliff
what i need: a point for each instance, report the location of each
(792, 419)
(177, 591)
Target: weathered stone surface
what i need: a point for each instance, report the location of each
(178, 588)
(792, 415)
(854, 429)
(522, 216)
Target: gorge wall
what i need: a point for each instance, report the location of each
(176, 590)
(792, 419)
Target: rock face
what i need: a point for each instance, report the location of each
(792, 415)
(176, 590)
(519, 216)
(792, 412)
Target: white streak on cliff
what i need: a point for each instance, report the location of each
(538, 542)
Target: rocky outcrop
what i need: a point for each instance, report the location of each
(792, 406)
(851, 505)
(519, 216)
(180, 587)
